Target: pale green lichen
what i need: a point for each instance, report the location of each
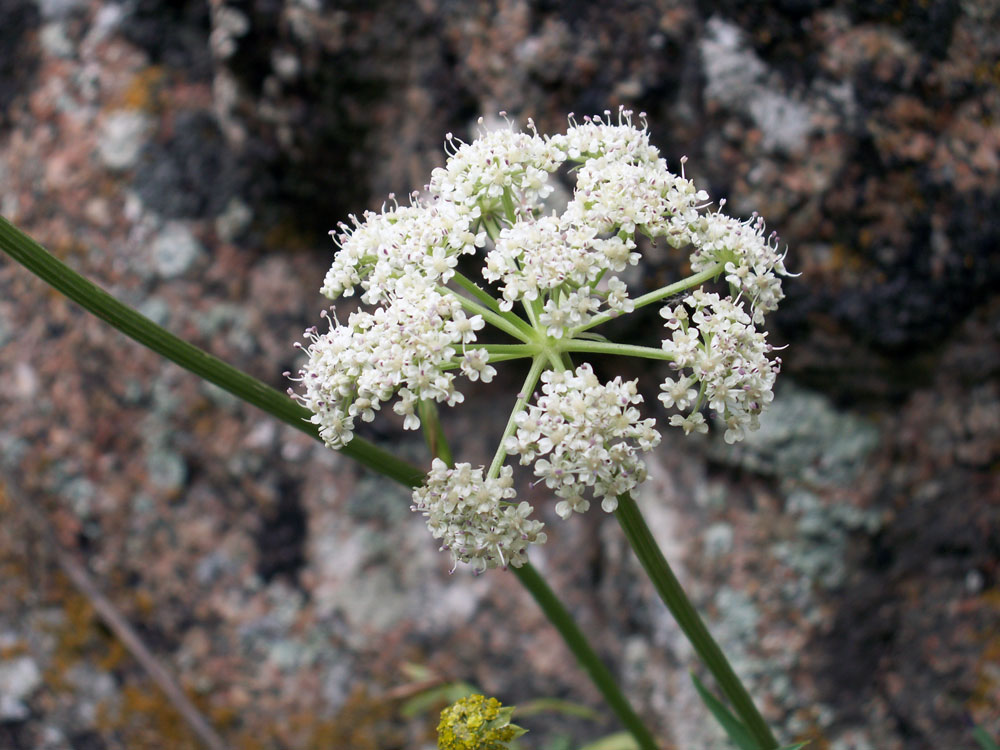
(823, 532)
(804, 438)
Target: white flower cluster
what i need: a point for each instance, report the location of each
(591, 436)
(422, 239)
(751, 259)
(475, 518)
(499, 165)
(584, 438)
(598, 136)
(718, 343)
(622, 186)
(404, 346)
(616, 194)
(554, 257)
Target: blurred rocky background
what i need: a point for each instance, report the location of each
(191, 156)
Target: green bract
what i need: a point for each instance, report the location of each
(477, 723)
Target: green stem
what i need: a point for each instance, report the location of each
(563, 622)
(586, 657)
(510, 213)
(504, 355)
(499, 352)
(529, 310)
(607, 347)
(503, 321)
(36, 259)
(641, 540)
(476, 291)
(647, 299)
(434, 435)
(537, 366)
(487, 299)
(492, 228)
(557, 361)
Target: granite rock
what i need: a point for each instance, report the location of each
(191, 158)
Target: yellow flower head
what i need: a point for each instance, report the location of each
(477, 723)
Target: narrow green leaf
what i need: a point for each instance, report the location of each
(672, 594)
(518, 731)
(424, 701)
(796, 746)
(734, 728)
(616, 741)
(985, 741)
(557, 706)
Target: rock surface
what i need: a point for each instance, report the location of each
(191, 156)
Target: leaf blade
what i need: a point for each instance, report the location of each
(734, 728)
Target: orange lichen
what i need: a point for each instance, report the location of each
(145, 719)
(146, 90)
(985, 696)
(79, 637)
(365, 722)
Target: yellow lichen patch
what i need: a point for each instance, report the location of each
(365, 722)
(79, 637)
(144, 718)
(15, 560)
(845, 258)
(146, 90)
(13, 650)
(223, 716)
(114, 658)
(986, 73)
(985, 698)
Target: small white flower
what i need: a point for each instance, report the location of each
(569, 506)
(422, 239)
(591, 435)
(678, 392)
(727, 355)
(691, 423)
(498, 164)
(407, 345)
(474, 366)
(617, 298)
(752, 262)
(475, 518)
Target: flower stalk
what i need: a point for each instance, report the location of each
(418, 333)
(585, 655)
(530, 381)
(30, 254)
(672, 594)
(556, 613)
(691, 282)
(136, 326)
